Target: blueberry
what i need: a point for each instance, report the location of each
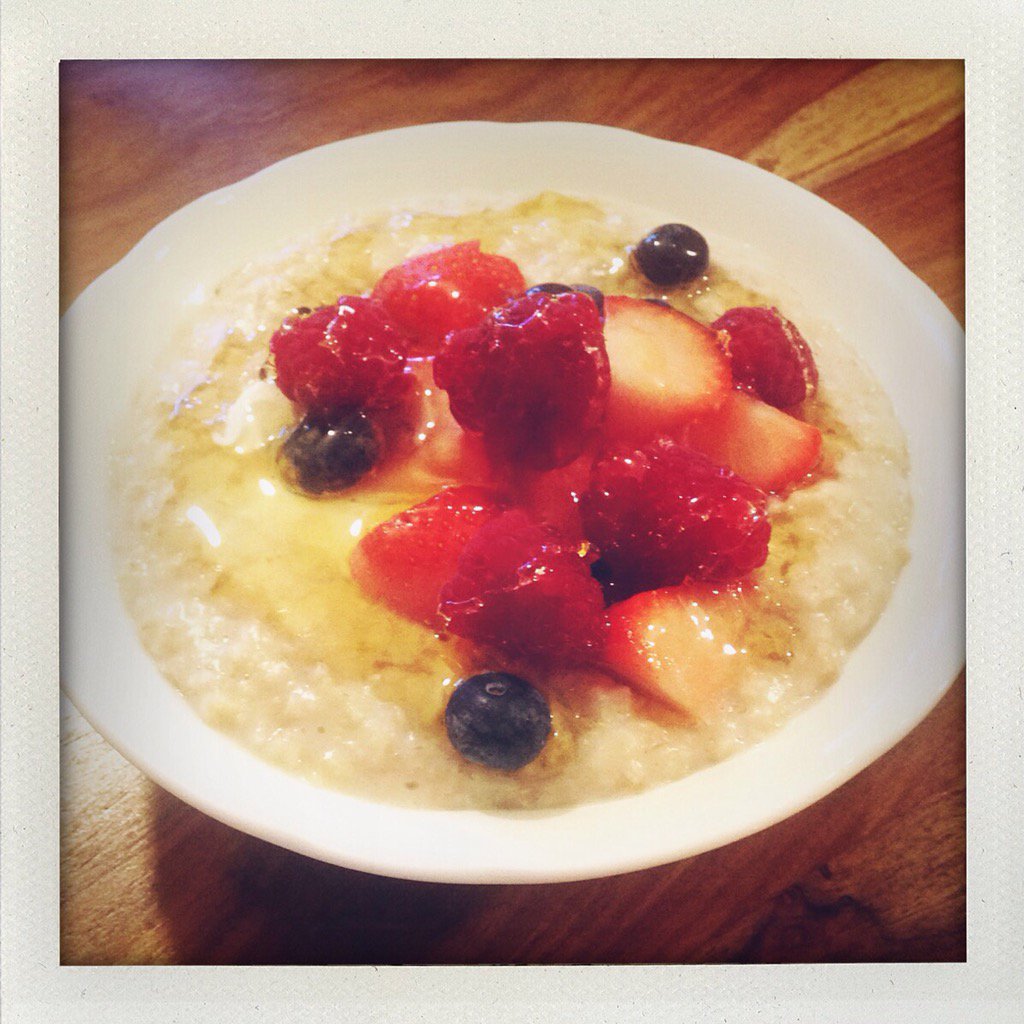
(321, 457)
(549, 288)
(659, 302)
(602, 572)
(672, 254)
(497, 720)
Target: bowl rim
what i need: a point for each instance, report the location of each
(555, 859)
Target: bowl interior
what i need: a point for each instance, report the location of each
(804, 251)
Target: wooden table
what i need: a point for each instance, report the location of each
(876, 871)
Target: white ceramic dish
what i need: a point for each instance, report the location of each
(799, 244)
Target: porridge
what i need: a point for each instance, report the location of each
(320, 554)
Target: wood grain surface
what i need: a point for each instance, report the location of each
(874, 872)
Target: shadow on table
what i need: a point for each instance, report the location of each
(229, 898)
(875, 871)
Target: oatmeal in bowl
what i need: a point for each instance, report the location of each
(551, 531)
(412, 517)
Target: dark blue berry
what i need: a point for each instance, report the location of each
(497, 720)
(549, 288)
(602, 572)
(322, 457)
(672, 254)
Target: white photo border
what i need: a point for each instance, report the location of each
(988, 36)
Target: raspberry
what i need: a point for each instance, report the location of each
(346, 356)
(521, 589)
(769, 355)
(532, 378)
(446, 290)
(663, 514)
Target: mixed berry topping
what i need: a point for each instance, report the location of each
(659, 528)
(349, 355)
(326, 456)
(769, 355)
(497, 720)
(663, 513)
(446, 290)
(522, 590)
(672, 254)
(532, 378)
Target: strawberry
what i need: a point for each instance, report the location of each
(681, 645)
(446, 290)
(664, 367)
(767, 447)
(405, 561)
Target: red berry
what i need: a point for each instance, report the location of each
(532, 378)
(682, 645)
(663, 514)
(665, 367)
(405, 561)
(446, 290)
(345, 356)
(766, 446)
(769, 355)
(521, 589)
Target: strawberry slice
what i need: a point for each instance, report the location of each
(681, 645)
(665, 367)
(446, 290)
(405, 561)
(767, 447)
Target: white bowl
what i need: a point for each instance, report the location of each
(111, 335)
